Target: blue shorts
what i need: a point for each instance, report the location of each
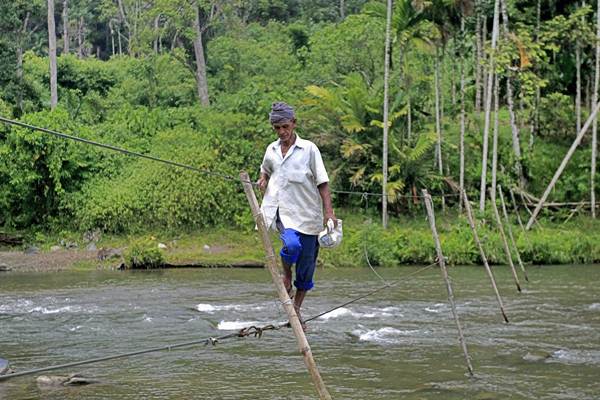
(302, 250)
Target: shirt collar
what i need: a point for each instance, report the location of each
(301, 143)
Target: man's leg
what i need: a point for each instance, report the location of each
(290, 253)
(287, 277)
(305, 269)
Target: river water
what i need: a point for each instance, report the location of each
(400, 343)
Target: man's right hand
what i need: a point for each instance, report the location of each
(262, 183)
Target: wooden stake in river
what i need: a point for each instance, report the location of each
(504, 241)
(288, 306)
(510, 233)
(442, 263)
(469, 211)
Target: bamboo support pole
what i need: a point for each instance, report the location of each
(271, 263)
(516, 210)
(562, 166)
(510, 233)
(442, 262)
(504, 241)
(469, 211)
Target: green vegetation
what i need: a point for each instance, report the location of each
(139, 89)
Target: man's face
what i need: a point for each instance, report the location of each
(285, 129)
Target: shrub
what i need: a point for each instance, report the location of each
(143, 254)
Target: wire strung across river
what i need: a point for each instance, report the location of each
(248, 331)
(175, 163)
(255, 331)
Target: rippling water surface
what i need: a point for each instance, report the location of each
(400, 343)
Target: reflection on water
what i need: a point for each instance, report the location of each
(400, 343)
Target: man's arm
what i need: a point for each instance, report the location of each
(263, 181)
(327, 206)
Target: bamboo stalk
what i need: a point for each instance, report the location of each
(271, 263)
(504, 242)
(562, 166)
(442, 263)
(488, 105)
(510, 233)
(516, 210)
(471, 219)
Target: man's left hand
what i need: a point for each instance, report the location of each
(328, 216)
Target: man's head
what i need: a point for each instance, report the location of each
(283, 120)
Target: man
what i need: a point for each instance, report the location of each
(296, 195)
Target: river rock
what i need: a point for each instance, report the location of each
(61, 380)
(4, 268)
(162, 246)
(92, 236)
(4, 368)
(105, 254)
(31, 250)
(91, 247)
(55, 248)
(206, 248)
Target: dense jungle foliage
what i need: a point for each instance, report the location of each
(127, 76)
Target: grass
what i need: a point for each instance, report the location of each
(406, 241)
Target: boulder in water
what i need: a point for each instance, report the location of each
(64, 380)
(4, 368)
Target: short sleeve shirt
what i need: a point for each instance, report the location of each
(292, 188)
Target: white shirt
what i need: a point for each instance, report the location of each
(292, 187)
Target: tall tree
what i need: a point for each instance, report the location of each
(52, 55)
(386, 77)
(488, 105)
(201, 79)
(65, 22)
(595, 124)
(510, 100)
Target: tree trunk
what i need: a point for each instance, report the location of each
(201, 81)
(52, 55)
(478, 52)
(488, 105)
(409, 118)
(156, 33)
(386, 84)
(595, 124)
(484, 70)
(578, 89)
(112, 36)
(461, 179)
(342, 10)
(495, 138)
(511, 107)
(538, 93)
(19, 71)
(80, 37)
(65, 18)
(126, 22)
(438, 122)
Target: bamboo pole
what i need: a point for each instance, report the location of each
(271, 263)
(386, 128)
(516, 210)
(442, 263)
(469, 211)
(488, 104)
(504, 241)
(562, 166)
(510, 233)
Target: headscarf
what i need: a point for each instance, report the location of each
(281, 112)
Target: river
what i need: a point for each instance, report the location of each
(399, 343)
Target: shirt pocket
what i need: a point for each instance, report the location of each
(297, 177)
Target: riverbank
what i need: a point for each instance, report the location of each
(407, 241)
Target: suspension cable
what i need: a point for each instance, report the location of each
(119, 149)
